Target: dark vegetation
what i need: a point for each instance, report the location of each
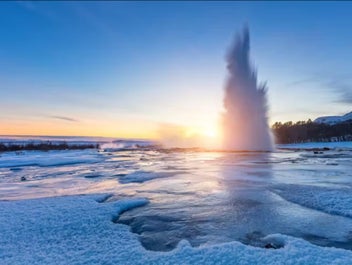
(44, 146)
(308, 131)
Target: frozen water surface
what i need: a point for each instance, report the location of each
(206, 198)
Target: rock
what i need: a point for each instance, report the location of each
(269, 245)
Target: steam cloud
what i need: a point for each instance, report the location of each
(176, 136)
(245, 122)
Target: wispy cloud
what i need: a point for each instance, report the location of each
(343, 87)
(63, 118)
(303, 81)
(340, 84)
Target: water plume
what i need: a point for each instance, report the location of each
(245, 122)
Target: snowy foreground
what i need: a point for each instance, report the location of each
(78, 230)
(152, 207)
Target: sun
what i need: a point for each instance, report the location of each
(202, 131)
(205, 131)
(210, 132)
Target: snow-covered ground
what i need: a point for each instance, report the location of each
(49, 158)
(79, 230)
(160, 207)
(313, 145)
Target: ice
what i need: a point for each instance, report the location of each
(142, 176)
(79, 230)
(176, 206)
(49, 158)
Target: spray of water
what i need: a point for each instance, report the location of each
(245, 122)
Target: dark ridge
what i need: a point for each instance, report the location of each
(308, 131)
(45, 146)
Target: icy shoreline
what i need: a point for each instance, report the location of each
(79, 230)
(206, 202)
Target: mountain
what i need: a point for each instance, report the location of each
(323, 129)
(331, 120)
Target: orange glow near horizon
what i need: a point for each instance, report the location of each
(201, 135)
(205, 133)
(169, 134)
(143, 130)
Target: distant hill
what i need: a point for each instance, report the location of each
(322, 129)
(331, 120)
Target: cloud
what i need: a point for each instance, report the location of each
(340, 84)
(346, 97)
(343, 88)
(63, 118)
(303, 81)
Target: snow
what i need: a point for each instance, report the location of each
(72, 206)
(79, 230)
(332, 201)
(125, 144)
(318, 145)
(49, 158)
(331, 120)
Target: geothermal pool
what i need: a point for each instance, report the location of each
(203, 197)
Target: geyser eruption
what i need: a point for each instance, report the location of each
(245, 122)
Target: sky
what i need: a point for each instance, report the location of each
(137, 69)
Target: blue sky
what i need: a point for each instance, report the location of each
(124, 68)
